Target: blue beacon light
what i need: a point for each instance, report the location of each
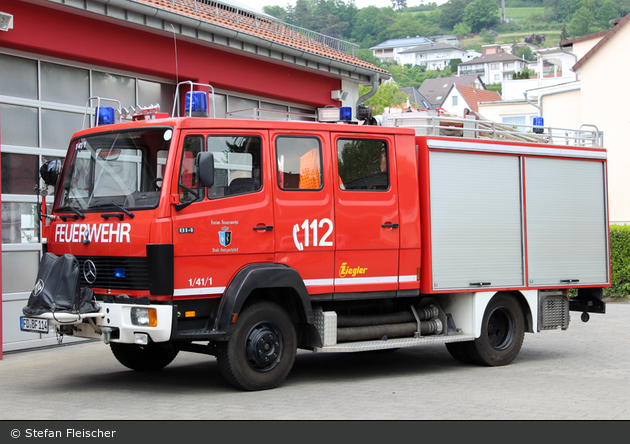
(105, 115)
(197, 103)
(345, 113)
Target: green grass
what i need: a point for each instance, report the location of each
(520, 14)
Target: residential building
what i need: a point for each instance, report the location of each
(436, 90)
(389, 50)
(461, 98)
(434, 57)
(594, 99)
(492, 68)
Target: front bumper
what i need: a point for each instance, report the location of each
(112, 322)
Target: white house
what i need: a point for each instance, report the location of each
(596, 97)
(493, 68)
(433, 57)
(389, 50)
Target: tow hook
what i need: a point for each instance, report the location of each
(107, 334)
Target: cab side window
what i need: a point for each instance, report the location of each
(189, 190)
(299, 162)
(237, 165)
(362, 165)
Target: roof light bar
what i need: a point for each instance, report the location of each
(334, 114)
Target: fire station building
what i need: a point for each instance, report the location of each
(58, 56)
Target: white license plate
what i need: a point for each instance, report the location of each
(34, 324)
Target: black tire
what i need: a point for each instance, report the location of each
(149, 357)
(459, 351)
(261, 350)
(502, 333)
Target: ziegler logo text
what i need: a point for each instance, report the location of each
(350, 272)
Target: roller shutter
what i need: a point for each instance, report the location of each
(567, 232)
(476, 221)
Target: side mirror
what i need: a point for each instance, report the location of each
(205, 167)
(50, 172)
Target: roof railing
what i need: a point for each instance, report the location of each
(431, 123)
(270, 114)
(269, 24)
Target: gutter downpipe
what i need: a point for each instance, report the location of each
(540, 98)
(572, 55)
(370, 93)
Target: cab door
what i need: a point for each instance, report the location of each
(367, 235)
(303, 208)
(218, 230)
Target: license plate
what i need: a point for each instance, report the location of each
(34, 324)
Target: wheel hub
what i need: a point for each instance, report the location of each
(501, 329)
(263, 346)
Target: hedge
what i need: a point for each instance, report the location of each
(619, 261)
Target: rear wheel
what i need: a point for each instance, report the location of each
(459, 351)
(148, 357)
(261, 351)
(502, 333)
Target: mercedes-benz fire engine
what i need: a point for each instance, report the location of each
(249, 239)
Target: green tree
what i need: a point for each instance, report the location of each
(452, 13)
(580, 23)
(606, 13)
(486, 37)
(525, 52)
(461, 29)
(276, 11)
(387, 95)
(481, 14)
(302, 15)
(454, 63)
(564, 35)
(370, 23)
(404, 26)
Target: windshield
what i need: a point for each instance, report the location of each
(121, 169)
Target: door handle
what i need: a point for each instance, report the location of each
(264, 228)
(389, 225)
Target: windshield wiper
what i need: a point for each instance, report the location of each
(113, 204)
(77, 214)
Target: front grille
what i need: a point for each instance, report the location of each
(554, 312)
(136, 274)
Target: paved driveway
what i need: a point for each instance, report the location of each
(581, 373)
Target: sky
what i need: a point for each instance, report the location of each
(258, 4)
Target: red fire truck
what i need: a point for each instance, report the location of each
(248, 239)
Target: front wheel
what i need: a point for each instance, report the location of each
(261, 351)
(148, 357)
(502, 333)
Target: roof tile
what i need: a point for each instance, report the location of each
(296, 41)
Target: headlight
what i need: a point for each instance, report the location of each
(146, 317)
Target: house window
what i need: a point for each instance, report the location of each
(497, 77)
(494, 66)
(455, 100)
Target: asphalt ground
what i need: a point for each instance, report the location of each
(579, 374)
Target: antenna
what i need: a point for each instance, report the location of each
(176, 67)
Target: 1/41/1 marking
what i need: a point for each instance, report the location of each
(200, 282)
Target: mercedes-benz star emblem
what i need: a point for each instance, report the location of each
(89, 271)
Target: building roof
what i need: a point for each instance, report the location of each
(416, 97)
(438, 47)
(609, 34)
(492, 58)
(474, 96)
(261, 26)
(409, 41)
(436, 90)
